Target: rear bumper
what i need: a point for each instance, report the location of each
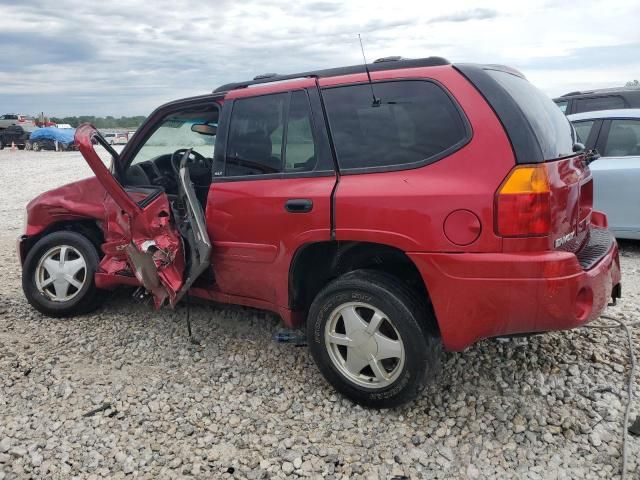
(481, 295)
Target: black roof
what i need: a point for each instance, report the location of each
(601, 90)
(387, 63)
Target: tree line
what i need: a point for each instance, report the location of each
(102, 122)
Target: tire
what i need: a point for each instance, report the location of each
(35, 146)
(1, 144)
(370, 293)
(27, 146)
(36, 277)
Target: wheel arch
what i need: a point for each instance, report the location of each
(87, 227)
(316, 264)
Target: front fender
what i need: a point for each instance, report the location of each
(82, 200)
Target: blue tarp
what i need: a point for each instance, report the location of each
(62, 135)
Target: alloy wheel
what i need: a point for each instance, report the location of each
(61, 273)
(364, 345)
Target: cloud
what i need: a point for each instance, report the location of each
(474, 14)
(126, 57)
(36, 48)
(599, 56)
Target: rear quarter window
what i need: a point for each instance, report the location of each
(550, 126)
(583, 130)
(414, 123)
(594, 104)
(562, 105)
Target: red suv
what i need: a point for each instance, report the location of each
(395, 210)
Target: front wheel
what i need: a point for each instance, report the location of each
(27, 146)
(35, 146)
(58, 275)
(370, 339)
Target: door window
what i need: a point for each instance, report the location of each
(255, 135)
(623, 139)
(583, 129)
(265, 137)
(598, 103)
(409, 124)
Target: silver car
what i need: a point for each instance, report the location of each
(11, 119)
(615, 134)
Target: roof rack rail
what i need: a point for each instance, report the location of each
(392, 58)
(265, 75)
(386, 63)
(577, 92)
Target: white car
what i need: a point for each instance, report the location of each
(116, 138)
(615, 134)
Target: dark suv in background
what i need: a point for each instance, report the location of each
(13, 135)
(601, 99)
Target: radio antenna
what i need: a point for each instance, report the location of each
(376, 101)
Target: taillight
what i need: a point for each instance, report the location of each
(523, 203)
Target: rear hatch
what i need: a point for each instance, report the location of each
(557, 211)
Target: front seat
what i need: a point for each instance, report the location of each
(251, 151)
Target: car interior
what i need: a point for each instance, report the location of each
(189, 133)
(623, 141)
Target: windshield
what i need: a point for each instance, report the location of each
(175, 132)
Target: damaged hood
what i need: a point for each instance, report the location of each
(83, 199)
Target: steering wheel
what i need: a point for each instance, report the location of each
(196, 158)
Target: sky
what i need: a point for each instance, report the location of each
(76, 57)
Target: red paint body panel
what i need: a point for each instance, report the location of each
(483, 295)
(566, 178)
(81, 200)
(407, 209)
(255, 238)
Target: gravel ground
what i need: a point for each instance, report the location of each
(243, 406)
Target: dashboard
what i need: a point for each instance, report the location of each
(160, 172)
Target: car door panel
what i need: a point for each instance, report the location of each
(255, 237)
(142, 236)
(616, 193)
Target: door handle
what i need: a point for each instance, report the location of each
(298, 205)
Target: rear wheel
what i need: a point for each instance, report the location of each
(35, 146)
(1, 144)
(58, 275)
(369, 337)
(27, 146)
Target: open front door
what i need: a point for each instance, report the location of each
(144, 227)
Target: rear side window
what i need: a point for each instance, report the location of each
(609, 102)
(415, 122)
(623, 139)
(550, 126)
